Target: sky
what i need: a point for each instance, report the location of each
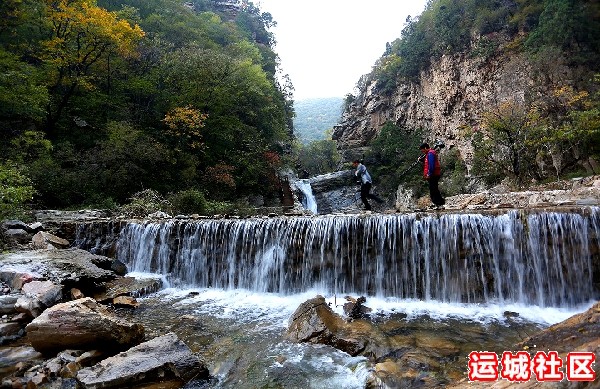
(326, 45)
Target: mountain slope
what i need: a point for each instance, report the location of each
(315, 116)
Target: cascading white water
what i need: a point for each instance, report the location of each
(308, 201)
(543, 259)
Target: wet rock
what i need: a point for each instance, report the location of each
(438, 345)
(69, 267)
(128, 286)
(355, 308)
(37, 296)
(17, 235)
(165, 357)
(125, 301)
(118, 267)
(45, 240)
(315, 322)
(81, 324)
(11, 357)
(7, 303)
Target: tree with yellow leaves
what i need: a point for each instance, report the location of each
(81, 35)
(184, 124)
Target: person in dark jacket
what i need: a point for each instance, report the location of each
(432, 171)
(365, 184)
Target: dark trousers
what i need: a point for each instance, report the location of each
(365, 194)
(434, 191)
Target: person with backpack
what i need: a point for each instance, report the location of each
(432, 171)
(365, 184)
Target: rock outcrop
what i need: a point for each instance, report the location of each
(449, 98)
(579, 192)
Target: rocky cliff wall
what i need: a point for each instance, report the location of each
(449, 99)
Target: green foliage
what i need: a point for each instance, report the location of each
(569, 26)
(145, 202)
(23, 97)
(501, 145)
(104, 99)
(454, 180)
(394, 153)
(15, 190)
(521, 142)
(188, 202)
(452, 26)
(318, 157)
(315, 116)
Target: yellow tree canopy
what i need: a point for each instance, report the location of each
(82, 33)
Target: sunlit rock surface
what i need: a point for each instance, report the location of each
(162, 358)
(81, 324)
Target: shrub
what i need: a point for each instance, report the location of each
(144, 203)
(188, 201)
(15, 190)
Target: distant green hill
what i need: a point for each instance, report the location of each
(315, 116)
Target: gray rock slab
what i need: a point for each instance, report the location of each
(11, 356)
(70, 266)
(166, 355)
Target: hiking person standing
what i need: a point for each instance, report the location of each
(365, 184)
(432, 171)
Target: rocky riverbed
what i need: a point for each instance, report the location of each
(59, 328)
(55, 336)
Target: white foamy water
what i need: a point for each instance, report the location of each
(245, 347)
(309, 201)
(250, 306)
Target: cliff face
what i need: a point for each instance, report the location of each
(448, 100)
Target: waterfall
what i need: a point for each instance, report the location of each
(308, 200)
(544, 259)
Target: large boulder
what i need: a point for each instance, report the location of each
(81, 324)
(315, 322)
(37, 296)
(45, 240)
(163, 357)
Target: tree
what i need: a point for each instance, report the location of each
(319, 157)
(184, 125)
(394, 151)
(504, 144)
(80, 35)
(15, 189)
(23, 97)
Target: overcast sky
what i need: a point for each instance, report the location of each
(326, 45)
